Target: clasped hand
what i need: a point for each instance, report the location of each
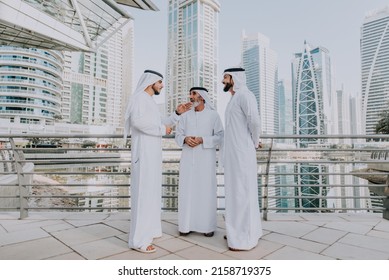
(193, 141)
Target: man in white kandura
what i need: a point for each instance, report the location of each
(144, 120)
(199, 132)
(242, 128)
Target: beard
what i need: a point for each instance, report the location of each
(227, 87)
(156, 92)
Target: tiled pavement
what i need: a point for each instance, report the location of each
(76, 236)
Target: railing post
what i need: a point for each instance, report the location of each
(266, 186)
(385, 212)
(22, 182)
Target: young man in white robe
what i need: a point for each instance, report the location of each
(147, 128)
(199, 132)
(241, 138)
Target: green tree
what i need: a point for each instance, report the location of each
(382, 127)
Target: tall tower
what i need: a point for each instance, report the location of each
(192, 49)
(313, 114)
(312, 94)
(98, 85)
(260, 63)
(375, 63)
(285, 108)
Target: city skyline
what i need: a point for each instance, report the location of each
(324, 23)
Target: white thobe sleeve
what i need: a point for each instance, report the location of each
(250, 109)
(171, 120)
(210, 142)
(180, 132)
(143, 120)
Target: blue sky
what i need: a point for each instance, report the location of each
(333, 24)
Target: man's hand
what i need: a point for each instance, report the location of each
(192, 141)
(168, 130)
(182, 108)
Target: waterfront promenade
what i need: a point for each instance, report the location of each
(93, 236)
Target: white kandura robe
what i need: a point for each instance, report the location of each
(197, 200)
(242, 128)
(147, 127)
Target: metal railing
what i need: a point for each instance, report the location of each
(91, 173)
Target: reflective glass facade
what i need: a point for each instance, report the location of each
(313, 115)
(192, 49)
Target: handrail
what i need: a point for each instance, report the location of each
(79, 171)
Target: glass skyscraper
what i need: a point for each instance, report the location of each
(260, 63)
(375, 66)
(313, 115)
(312, 94)
(98, 85)
(192, 49)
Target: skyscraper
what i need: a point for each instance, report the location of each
(285, 108)
(98, 85)
(30, 86)
(260, 63)
(312, 94)
(313, 115)
(374, 64)
(192, 49)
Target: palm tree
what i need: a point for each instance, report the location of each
(382, 127)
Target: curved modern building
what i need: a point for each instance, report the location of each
(30, 85)
(313, 115)
(375, 67)
(312, 94)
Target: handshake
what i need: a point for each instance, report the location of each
(193, 141)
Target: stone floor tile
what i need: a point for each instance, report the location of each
(2, 230)
(121, 225)
(31, 225)
(34, 250)
(68, 256)
(171, 257)
(382, 225)
(295, 229)
(299, 243)
(134, 255)
(378, 233)
(216, 243)
(271, 217)
(200, 253)
(170, 228)
(263, 249)
(324, 235)
(359, 228)
(330, 217)
(81, 223)
(57, 227)
(173, 245)
(361, 217)
(290, 253)
(88, 216)
(22, 236)
(85, 234)
(348, 252)
(123, 216)
(368, 242)
(101, 248)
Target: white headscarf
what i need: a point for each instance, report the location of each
(204, 94)
(148, 78)
(239, 77)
